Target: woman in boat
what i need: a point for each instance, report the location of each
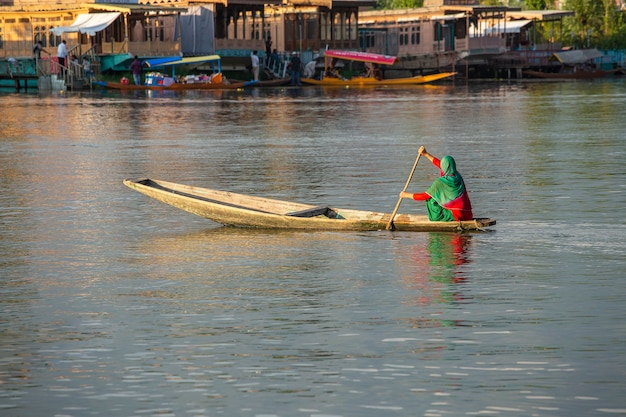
(446, 199)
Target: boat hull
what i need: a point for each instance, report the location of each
(249, 211)
(372, 82)
(577, 75)
(175, 86)
(275, 82)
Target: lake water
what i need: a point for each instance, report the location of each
(112, 304)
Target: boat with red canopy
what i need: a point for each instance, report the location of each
(372, 75)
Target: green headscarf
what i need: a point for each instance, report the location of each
(449, 186)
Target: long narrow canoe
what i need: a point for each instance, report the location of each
(248, 211)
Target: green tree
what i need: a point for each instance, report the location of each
(399, 4)
(596, 23)
(584, 25)
(539, 4)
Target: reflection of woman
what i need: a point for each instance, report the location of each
(438, 270)
(447, 252)
(446, 199)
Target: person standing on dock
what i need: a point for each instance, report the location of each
(61, 55)
(89, 74)
(268, 46)
(255, 65)
(296, 69)
(37, 54)
(135, 68)
(37, 50)
(446, 199)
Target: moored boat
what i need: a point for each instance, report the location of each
(161, 82)
(371, 77)
(272, 82)
(176, 86)
(577, 64)
(573, 74)
(233, 209)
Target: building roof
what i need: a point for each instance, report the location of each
(333, 3)
(89, 23)
(132, 8)
(540, 14)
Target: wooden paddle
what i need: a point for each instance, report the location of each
(395, 210)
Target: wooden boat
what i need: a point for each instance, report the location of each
(577, 64)
(372, 77)
(578, 74)
(224, 85)
(273, 82)
(160, 82)
(248, 211)
(372, 82)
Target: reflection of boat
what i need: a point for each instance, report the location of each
(372, 77)
(273, 82)
(577, 64)
(158, 81)
(249, 211)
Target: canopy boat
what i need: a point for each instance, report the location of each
(578, 64)
(373, 74)
(248, 211)
(159, 81)
(224, 85)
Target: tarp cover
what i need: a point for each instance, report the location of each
(170, 61)
(89, 23)
(577, 56)
(196, 30)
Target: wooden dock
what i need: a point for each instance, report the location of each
(18, 72)
(20, 81)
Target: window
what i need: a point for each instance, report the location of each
(438, 32)
(53, 40)
(325, 26)
(40, 34)
(415, 35)
(403, 38)
(369, 39)
(337, 26)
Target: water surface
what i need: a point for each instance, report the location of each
(114, 304)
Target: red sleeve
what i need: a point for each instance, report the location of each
(425, 196)
(421, 196)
